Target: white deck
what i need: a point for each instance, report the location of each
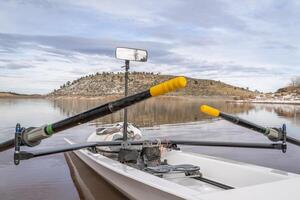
(194, 184)
(235, 174)
(249, 181)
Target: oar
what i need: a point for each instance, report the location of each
(33, 136)
(24, 155)
(272, 133)
(6, 145)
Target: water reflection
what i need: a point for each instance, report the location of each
(289, 111)
(50, 177)
(155, 111)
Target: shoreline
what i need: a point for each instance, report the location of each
(227, 99)
(115, 97)
(265, 102)
(22, 97)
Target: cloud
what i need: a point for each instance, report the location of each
(46, 43)
(12, 66)
(279, 45)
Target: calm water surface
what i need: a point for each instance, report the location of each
(169, 117)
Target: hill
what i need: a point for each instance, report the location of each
(289, 89)
(285, 95)
(104, 84)
(289, 93)
(16, 95)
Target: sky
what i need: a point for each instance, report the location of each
(247, 43)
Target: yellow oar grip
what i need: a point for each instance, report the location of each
(168, 86)
(209, 110)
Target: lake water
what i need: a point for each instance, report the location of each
(50, 177)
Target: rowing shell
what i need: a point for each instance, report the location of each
(220, 178)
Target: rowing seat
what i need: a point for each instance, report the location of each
(164, 169)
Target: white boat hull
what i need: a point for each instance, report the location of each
(130, 187)
(249, 181)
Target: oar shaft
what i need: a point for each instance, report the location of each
(34, 136)
(271, 133)
(6, 145)
(243, 123)
(98, 112)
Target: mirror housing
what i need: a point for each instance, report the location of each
(124, 53)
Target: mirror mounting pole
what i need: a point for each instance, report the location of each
(126, 93)
(129, 54)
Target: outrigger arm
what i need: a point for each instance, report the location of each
(25, 155)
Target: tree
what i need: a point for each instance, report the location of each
(295, 81)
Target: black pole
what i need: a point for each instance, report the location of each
(7, 145)
(244, 123)
(33, 137)
(226, 144)
(293, 141)
(126, 93)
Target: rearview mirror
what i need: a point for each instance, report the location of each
(139, 55)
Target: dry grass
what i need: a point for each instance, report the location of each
(113, 84)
